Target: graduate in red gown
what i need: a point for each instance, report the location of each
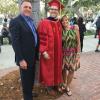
(50, 33)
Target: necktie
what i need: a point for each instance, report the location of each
(32, 26)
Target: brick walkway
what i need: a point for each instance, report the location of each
(87, 84)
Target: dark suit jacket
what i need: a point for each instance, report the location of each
(23, 41)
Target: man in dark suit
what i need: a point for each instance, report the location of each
(25, 44)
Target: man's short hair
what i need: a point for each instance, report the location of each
(25, 1)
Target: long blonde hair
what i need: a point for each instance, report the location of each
(64, 16)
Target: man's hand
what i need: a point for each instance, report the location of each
(46, 56)
(23, 64)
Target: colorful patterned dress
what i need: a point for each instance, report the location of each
(70, 50)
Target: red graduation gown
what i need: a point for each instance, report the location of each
(50, 33)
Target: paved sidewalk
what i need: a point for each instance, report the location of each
(7, 63)
(7, 57)
(87, 84)
(89, 43)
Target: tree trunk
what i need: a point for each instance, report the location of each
(45, 8)
(36, 10)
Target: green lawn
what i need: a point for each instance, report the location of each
(88, 32)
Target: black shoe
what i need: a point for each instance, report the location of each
(35, 94)
(97, 50)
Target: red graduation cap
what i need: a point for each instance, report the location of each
(56, 3)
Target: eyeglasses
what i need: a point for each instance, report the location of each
(28, 7)
(54, 9)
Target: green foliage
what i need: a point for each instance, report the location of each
(89, 32)
(9, 7)
(88, 3)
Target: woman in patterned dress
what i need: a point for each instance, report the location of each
(71, 52)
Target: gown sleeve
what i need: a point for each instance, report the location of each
(43, 35)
